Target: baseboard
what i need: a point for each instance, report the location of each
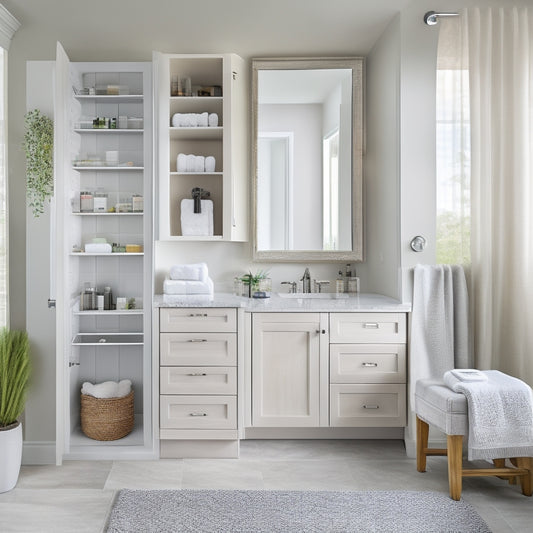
(324, 433)
(38, 453)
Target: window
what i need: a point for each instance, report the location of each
(453, 167)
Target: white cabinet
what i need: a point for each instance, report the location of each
(94, 344)
(286, 369)
(198, 382)
(367, 369)
(218, 87)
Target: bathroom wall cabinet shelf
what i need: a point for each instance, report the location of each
(227, 142)
(98, 346)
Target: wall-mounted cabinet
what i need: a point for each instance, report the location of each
(202, 143)
(103, 146)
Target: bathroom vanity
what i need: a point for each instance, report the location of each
(278, 368)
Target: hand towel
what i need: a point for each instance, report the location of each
(107, 389)
(174, 286)
(439, 339)
(213, 120)
(202, 120)
(98, 248)
(466, 375)
(196, 224)
(190, 162)
(500, 415)
(210, 163)
(199, 163)
(191, 271)
(181, 163)
(187, 299)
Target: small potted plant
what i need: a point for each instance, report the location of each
(259, 285)
(14, 376)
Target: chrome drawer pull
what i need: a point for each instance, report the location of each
(198, 315)
(197, 414)
(370, 364)
(197, 374)
(370, 406)
(197, 340)
(370, 325)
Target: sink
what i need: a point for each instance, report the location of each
(314, 295)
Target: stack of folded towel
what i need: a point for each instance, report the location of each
(188, 284)
(107, 389)
(195, 163)
(194, 120)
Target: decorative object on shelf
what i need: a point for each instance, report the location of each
(39, 150)
(14, 375)
(257, 285)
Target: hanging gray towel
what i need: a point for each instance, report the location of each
(439, 339)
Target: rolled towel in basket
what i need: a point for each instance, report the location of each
(210, 163)
(191, 271)
(213, 120)
(107, 389)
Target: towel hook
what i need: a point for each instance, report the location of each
(418, 243)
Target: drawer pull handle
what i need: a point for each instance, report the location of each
(197, 340)
(197, 374)
(198, 315)
(197, 414)
(370, 406)
(370, 364)
(370, 325)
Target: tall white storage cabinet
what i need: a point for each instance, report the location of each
(115, 344)
(227, 142)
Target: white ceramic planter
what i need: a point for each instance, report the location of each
(10, 457)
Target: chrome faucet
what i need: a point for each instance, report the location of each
(306, 281)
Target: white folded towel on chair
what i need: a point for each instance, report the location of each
(467, 375)
(175, 286)
(500, 415)
(107, 389)
(191, 271)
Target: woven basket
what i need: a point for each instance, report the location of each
(106, 418)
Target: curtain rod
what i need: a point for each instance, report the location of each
(431, 17)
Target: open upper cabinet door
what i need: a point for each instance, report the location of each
(62, 89)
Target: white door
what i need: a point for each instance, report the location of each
(285, 369)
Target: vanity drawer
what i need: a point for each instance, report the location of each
(367, 363)
(198, 380)
(184, 349)
(367, 405)
(367, 327)
(198, 412)
(196, 319)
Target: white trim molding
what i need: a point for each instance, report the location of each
(8, 26)
(38, 453)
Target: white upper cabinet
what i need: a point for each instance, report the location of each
(202, 143)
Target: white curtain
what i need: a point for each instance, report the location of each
(498, 43)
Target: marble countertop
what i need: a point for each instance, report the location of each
(363, 302)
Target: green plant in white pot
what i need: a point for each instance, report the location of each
(14, 377)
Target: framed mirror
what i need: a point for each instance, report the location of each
(307, 123)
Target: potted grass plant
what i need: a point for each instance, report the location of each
(14, 376)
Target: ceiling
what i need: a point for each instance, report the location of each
(119, 29)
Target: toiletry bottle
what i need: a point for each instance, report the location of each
(339, 283)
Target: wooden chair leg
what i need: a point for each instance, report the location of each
(422, 433)
(455, 465)
(526, 479)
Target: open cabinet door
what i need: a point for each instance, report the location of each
(62, 91)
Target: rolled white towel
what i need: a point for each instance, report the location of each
(177, 120)
(174, 286)
(191, 271)
(202, 120)
(181, 163)
(210, 163)
(98, 248)
(213, 120)
(107, 389)
(192, 120)
(191, 161)
(199, 163)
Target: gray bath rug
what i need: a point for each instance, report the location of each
(260, 511)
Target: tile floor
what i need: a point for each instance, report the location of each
(77, 496)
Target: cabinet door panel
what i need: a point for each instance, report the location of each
(198, 349)
(198, 412)
(198, 380)
(367, 327)
(285, 370)
(198, 320)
